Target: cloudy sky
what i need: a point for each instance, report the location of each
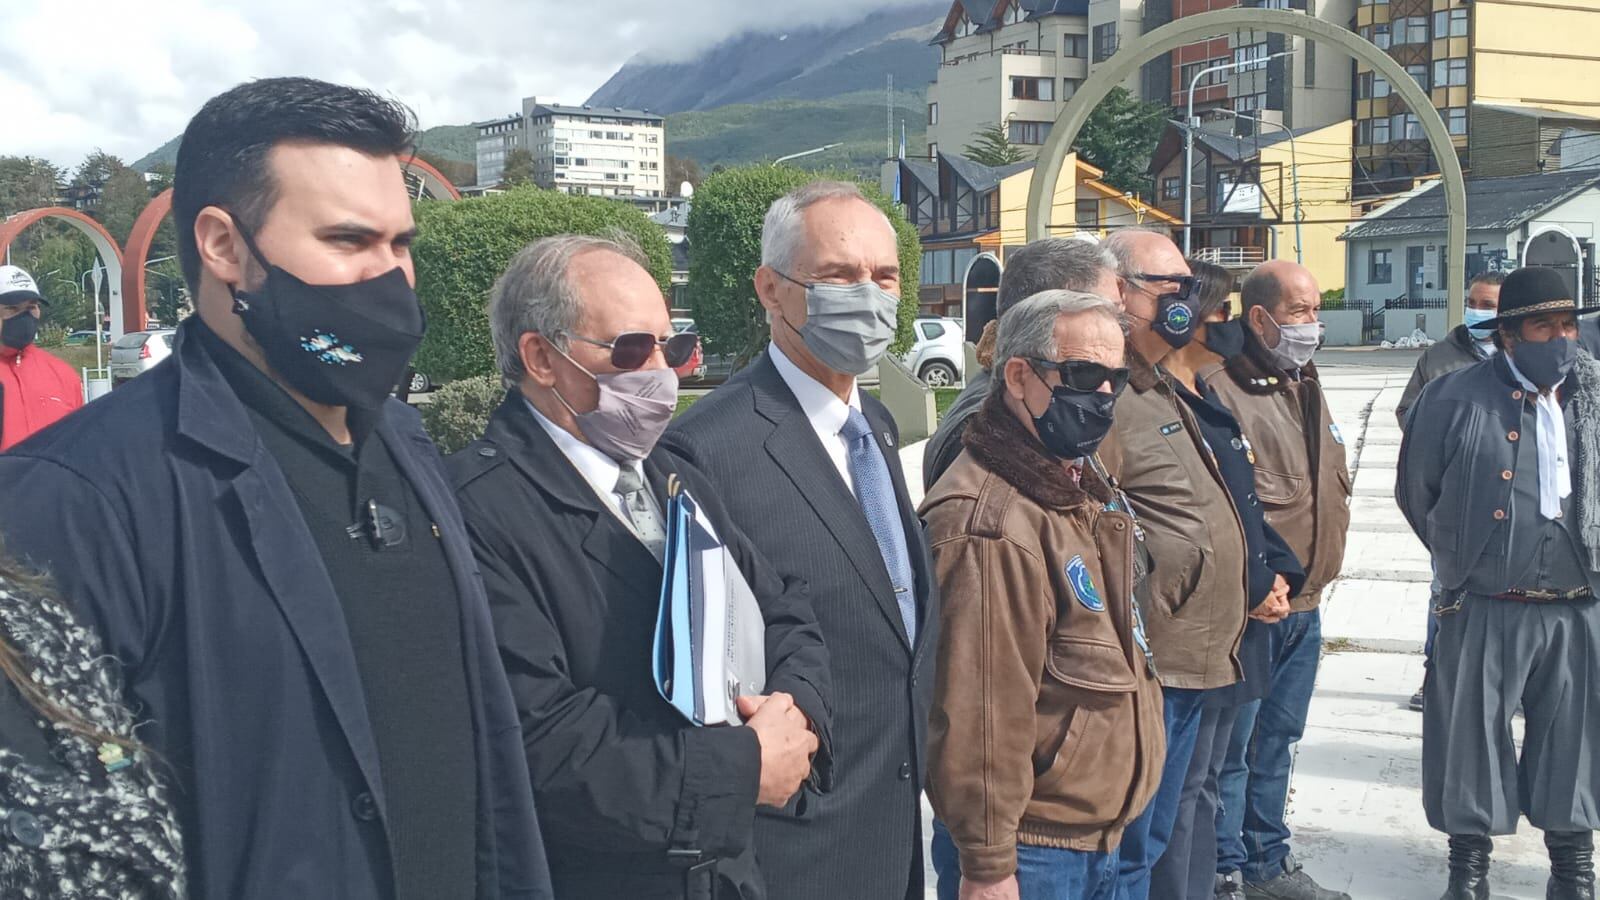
(126, 76)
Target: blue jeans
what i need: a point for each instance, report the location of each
(1145, 838)
(1252, 837)
(1043, 873)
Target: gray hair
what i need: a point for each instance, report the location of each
(1028, 330)
(1122, 246)
(534, 294)
(784, 228)
(1051, 264)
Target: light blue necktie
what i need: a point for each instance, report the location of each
(875, 493)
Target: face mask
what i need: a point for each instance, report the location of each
(1075, 422)
(848, 326)
(1174, 320)
(1545, 364)
(634, 409)
(339, 345)
(1472, 317)
(1296, 343)
(19, 331)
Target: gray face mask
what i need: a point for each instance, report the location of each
(634, 409)
(1296, 343)
(848, 326)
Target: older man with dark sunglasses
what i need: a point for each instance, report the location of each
(563, 499)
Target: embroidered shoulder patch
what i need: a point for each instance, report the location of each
(1338, 436)
(1083, 585)
(1171, 428)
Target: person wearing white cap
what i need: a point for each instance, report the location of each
(36, 388)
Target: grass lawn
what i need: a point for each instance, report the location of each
(80, 356)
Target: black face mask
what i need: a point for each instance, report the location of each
(340, 345)
(19, 331)
(1547, 363)
(1174, 320)
(1075, 422)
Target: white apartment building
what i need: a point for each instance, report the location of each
(598, 151)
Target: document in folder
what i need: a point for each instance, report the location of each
(710, 644)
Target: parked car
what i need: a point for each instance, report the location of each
(695, 368)
(939, 355)
(138, 352)
(86, 337)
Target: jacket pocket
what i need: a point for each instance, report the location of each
(1176, 580)
(1278, 489)
(1090, 664)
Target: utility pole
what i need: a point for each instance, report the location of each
(1188, 140)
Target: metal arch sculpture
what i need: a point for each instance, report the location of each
(140, 238)
(432, 179)
(1128, 58)
(104, 245)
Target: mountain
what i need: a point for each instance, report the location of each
(805, 63)
(762, 132)
(166, 153)
(456, 143)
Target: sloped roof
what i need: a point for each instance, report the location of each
(1493, 204)
(981, 177)
(608, 112)
(676, 215)
(926, 173)
(1038, 9)
(1236, 147)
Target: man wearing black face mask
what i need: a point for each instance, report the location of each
(36, 388)
(565, 498)
(278, 562)
(1497, 476)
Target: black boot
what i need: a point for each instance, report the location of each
(1469, 867)
(1571, 865)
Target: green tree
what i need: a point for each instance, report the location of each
(27, 182)
(992, 146)
(1119, 137)
(518, 170)
(123, 196)
(464, 246)
(162, 175)
(681, 170)
(725, 232)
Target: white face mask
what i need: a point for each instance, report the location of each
(1296, 343)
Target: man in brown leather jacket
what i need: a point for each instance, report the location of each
(1039, 625)
(1270, 384)
(1198, 589)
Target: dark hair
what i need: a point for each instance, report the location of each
(1216, 283)
(222, 159)
(1048, 265)
(1260, 288)
(1490, 278)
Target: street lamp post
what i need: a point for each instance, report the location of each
(821, 149)
(1294, 173)
(1188, 139)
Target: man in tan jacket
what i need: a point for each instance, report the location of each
(1198, 589)
(1271, 385)
(1046, 732)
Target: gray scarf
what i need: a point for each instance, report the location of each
(1585, 379)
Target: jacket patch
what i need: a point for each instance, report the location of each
(1171, 428)
(1083, 585)
(1338, 436)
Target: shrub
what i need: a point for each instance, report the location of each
(457, 413)
(725, 236)
(462, 247)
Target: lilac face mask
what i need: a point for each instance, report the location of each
(634, 409)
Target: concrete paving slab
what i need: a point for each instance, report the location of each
(1383, 615)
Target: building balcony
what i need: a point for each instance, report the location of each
(1001, 51)
(1232, 257)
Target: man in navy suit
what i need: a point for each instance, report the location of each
(806, 464)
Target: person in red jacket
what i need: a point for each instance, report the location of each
(36, 388)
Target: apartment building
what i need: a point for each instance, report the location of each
(603, 152)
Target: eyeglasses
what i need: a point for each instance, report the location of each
(632, 349)
(1188, 285)
(1085, 376)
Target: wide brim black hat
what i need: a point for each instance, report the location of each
(1534, 291)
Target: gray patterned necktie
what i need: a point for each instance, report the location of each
(641, 512)
(875, 493)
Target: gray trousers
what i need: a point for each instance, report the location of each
(1489, 656)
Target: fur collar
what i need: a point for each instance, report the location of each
(1142, 376)
(1004, 446)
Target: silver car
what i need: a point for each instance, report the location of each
(939, 355)
(137, 352)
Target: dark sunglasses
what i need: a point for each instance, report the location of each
(632, 349)
(1085, 376)
(1188, 285)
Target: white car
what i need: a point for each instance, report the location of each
(939, 355)
(137, 352)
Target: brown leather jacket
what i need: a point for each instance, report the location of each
(1199, 586)
(1047, 722)
(1301, 474)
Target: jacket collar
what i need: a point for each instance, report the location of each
(1004, 446)
(1142, 375)
(530, 449)
(1251, 366)
(209, 412)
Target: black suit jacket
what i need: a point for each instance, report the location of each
(574, 597)
(861, 839)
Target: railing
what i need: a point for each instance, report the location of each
(1232, 257)
(999, 51)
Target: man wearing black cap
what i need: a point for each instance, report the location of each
(1497, 476)
(36, 388)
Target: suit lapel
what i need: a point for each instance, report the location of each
(793, 445)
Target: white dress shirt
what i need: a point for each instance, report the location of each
(1555, 474)
(823, 408)
(598, 469)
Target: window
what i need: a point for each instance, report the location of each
(1172, 188)
(965, 26)
(1086, 213)
(1013, 14)
(1022, 132)
(1311, 63)
(1033, 88)
(1105, 41)
(1380, 131)
(1380, 269)
(1190, 70)
(1449, 72)
(933, 113)
(1419, 74)
(1410, 30)
(931, 330)
(1380, 36)
(937, 267)
(1247, 103)
(1450, 23)
(1068, 88)
(1405, 127)
(1075, 46)
(1250, 58)
(933, 150)
(1456, 119)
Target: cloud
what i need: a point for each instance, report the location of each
(125, 77)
